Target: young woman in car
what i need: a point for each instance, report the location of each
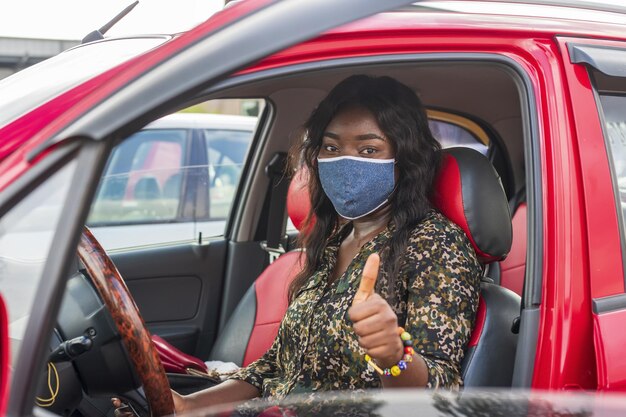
(371, 160)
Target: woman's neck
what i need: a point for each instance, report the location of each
(369, 226)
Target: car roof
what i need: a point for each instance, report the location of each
(204, 121)
(606, 12)
(562, 18)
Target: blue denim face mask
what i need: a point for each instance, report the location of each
(356, 186)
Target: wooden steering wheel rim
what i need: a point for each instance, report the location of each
(132, 329)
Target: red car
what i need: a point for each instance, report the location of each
(539, 88)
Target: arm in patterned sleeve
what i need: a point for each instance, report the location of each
(264, 367)
(443, 290)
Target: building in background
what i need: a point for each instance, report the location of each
(19, 53)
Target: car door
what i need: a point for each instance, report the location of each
(117, 104)
(597, 81)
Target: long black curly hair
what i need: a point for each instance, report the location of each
(402, 118)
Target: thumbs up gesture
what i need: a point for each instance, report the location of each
(373, 319)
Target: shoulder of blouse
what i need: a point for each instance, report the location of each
(437, 227)
(441, 239)
(434, 222)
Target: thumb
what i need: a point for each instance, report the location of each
(368, 279)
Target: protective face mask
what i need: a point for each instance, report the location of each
(356, 186)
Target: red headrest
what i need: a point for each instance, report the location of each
(298, 201)
(468, 191)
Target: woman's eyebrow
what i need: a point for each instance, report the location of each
(365, 136)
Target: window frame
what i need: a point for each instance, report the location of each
(90, 157)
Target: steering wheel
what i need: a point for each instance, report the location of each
(132, 329)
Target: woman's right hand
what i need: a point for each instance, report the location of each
(181, 404)
(231, 391)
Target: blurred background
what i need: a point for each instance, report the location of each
(34, 30)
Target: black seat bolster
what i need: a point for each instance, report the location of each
(232, 342)
(490, 363)
(494, 272)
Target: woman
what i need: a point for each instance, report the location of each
(371, 160)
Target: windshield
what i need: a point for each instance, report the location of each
(26, 236)
(26, 89)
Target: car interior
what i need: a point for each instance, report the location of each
(486, 92)
(220, 298)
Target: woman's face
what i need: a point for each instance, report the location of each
(355, 132)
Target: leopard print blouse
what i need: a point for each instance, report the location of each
(436, 298)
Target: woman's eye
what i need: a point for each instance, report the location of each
(369, 151)
(330, 148)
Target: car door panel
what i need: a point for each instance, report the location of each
(178, 290)
(610, 339)
(588, 60)
(245, 263)
(156, 296)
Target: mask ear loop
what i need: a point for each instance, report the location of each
(395, 183)
(395, 187)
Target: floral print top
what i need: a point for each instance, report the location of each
(436, 299)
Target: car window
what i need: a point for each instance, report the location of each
(175, 180)
(613, 107)
(454, 130)
(26, 236)
(142, 180)
(611, 98)
(226, 153)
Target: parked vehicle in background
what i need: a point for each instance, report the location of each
(172, 181)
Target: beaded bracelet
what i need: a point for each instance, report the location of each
(397, 369)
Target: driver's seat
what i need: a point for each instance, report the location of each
(468, 192)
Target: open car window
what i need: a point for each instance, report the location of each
(176, 179)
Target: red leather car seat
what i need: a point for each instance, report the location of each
(251, 329)
(513, 268)
(468, 191)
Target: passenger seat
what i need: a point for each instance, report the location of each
(252, 327)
